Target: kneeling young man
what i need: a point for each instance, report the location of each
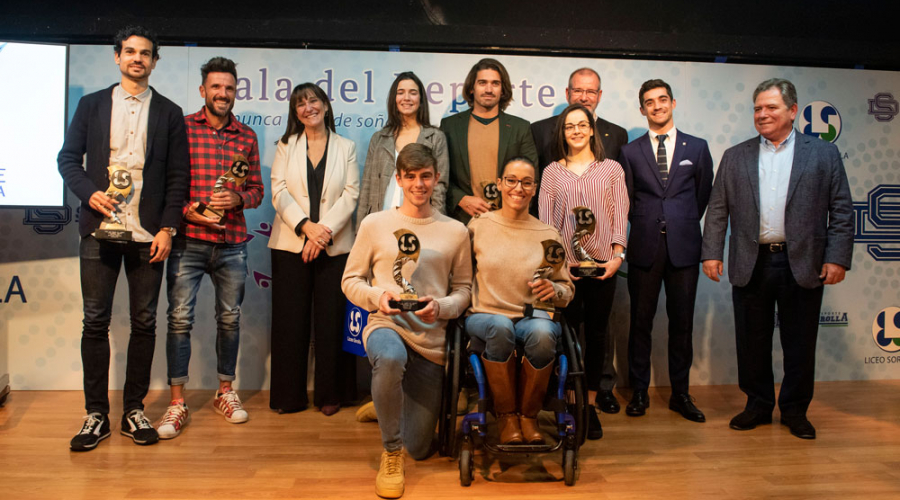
(406, 349)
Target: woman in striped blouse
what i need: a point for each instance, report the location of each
(584, 177)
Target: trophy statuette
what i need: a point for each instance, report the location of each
(585, 223)
(554, 256)
(491, 194)
(237, 173)
(409, 247)
(112, 228)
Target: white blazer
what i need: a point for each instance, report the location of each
(290, 193)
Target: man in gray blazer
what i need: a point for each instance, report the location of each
(789, 204)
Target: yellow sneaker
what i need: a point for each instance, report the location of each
(366, 413)
(390, 479)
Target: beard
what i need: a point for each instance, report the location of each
(211, 107)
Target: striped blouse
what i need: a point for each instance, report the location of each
(602, 189)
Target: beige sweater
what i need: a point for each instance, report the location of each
(444, 271)
(506, 254)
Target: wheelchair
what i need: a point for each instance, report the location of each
(566, 397)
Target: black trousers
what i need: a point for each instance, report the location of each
(306, 300)
(644, 284)
(592, 306)
(754, 318)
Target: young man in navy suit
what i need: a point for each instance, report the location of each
(669, 175)
(132, 126)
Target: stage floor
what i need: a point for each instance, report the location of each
(308, 455)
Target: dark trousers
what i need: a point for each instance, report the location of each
(591, 306)
(754, 318)
(307, 299)
(644, 284)
(100, 265)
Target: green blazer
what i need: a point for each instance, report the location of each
(515, 140)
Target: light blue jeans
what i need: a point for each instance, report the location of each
(406, 390)
(500, 335)
(227, 268)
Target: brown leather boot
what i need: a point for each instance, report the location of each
(501, 377)
(532, 388)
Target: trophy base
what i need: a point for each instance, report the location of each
(587, 270)
(540, 309)
(209, 212)
(407, 304)
(113, 235)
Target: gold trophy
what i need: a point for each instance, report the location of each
(585, 223)
(491, 194)
(554, 256)
(112, 228)
(409, 247)
(237, 173)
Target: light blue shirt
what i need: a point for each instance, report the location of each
(774, 176)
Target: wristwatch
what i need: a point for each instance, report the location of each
(171, 230)
(620, 255)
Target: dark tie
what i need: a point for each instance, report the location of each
(661, 158)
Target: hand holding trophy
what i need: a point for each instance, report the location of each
(585, 223)
(554, 256)
(237, 173)
(409, 247)
(112, 228)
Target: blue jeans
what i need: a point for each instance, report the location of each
(500, 335)
(227, 268)
(406, 390)
(100, 265)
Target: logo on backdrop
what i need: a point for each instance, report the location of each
(821, 119)
(884, 107)
(886, 329)
(826, 319)
(877, 222)
(47, 220)
(354, 321)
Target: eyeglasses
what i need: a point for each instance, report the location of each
(579, 92)
(583, 126)
(527, 184)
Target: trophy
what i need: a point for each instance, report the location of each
(554, 255)
(237, 174)
(409, 247)
(111, 227)
(585, 223)
(491, 194)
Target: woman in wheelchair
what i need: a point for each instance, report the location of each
(518, 262)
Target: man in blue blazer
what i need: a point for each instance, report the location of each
(134, 127)
(788, 200)
(669, 176)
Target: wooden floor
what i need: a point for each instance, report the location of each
(308, 455)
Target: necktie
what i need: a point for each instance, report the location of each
(661, 159)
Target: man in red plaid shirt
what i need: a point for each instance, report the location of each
(212, 244)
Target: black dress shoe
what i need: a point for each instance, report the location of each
(607, 402)
(684, 404)
(746, 420)
(595, 431)
(799, 427)
(638, 405)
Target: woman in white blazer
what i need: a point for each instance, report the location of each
(315, 185)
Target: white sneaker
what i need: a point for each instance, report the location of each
(177, 416)
(390, 480)
(229, 404)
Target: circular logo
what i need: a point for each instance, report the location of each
(886, 329)
(355, 322)
(121, 179)
(491, 192)
(821, 119)
(240, 168)
(408, 243)
(554, 254)
(584, 217)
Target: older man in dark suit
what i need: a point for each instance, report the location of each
(788, 200)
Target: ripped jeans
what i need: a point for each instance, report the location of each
(227, 268)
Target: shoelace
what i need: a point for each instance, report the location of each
(140, 420)
(393, 464)
(88, 426)
(231, 400)
(173, 414)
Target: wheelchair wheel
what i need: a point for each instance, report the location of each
(466, 463)
(568, 464)
(579, 407)
(447, 434)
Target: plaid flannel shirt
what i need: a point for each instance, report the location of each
(212, 153)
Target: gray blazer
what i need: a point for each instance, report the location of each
(818, 212)
(380, 169)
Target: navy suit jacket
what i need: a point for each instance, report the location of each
(678, 206)
(166, 164)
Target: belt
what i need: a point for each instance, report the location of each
(773, 247)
